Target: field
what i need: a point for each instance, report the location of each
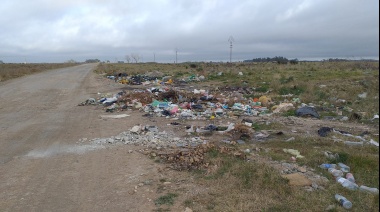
(328, 84)
(337, 89)
(14, 70)
(248, 175)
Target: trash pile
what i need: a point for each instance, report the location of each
(148, 136)
(194, 104)
(124, 78)
(165, 95)
(193, 157)
(181, 153)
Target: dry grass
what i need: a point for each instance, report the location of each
(239, 185)
(13, 70)
(313, 82)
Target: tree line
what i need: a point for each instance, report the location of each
(277, 59)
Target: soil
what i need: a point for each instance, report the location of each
(45, 166)
(42, 166)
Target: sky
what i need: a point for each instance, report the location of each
(170, 31)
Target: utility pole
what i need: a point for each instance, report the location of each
(231, 40)
(176, 51)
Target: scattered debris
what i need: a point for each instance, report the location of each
(293, 152)
(118, 116)
(307, 111)
(324, 131)
(193, 157)
(283, 107)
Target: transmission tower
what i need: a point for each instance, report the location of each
(231, 40)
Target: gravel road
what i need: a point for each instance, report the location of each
(42, 168)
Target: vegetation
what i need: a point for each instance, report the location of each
(14, 70)
(92, 61)
(277, 59)
(254, 184)
(328, 84)
(167, 199)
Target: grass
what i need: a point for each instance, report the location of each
(240, 185)
(13, 70)
(340, 80)
(167, 199)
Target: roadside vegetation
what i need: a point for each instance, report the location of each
(13, 70)
(327, 84)
(336, 88)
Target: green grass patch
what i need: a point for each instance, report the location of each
(167, 199)
(284, 80)
(289, 113)
(295, 90)
(262, 89)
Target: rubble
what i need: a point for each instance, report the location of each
(193, 157)
(149, 136)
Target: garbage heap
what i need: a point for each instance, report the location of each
(181, 103)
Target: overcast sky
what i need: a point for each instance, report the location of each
(57, 31)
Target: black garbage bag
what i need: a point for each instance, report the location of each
(196, 107)
(324, 131)
(211, 127)
(165, 113)
(307, 111)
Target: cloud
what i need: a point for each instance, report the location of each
(45, 30)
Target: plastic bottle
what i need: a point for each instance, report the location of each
(335, 172)
(369, 189)
(344, 167)
(327, 166)
(350, 177)
(347, 184)
(343, 201)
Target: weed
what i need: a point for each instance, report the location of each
(320, 95)
(262, 89)
(213, 153)
(188, 203)
(257, 126)
(284, 80)
(246, 173)
(295, 90)
(167, 199)
(289, 113)
(161, 210)
(343, 157)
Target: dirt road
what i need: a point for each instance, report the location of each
(42, 168)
